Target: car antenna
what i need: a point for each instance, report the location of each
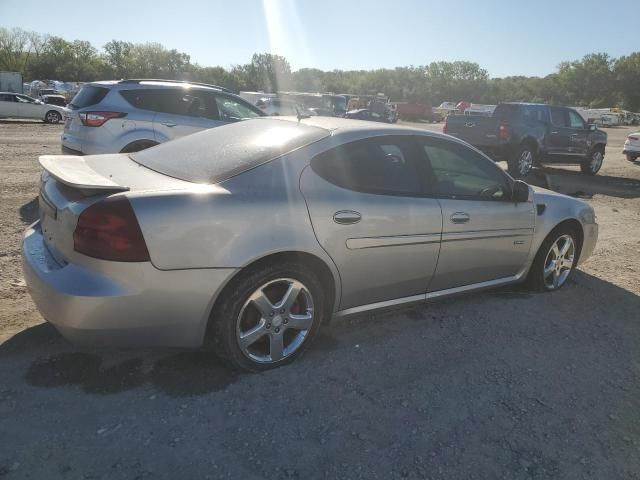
(300, 115)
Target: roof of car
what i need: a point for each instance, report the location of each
(160, 83)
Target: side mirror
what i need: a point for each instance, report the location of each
(520, 192)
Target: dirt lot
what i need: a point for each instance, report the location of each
(504, 384)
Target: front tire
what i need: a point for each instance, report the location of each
(520, 164)
(631, 158)
(555, 260)
(593, 163)
(52, 117)
(267, 316)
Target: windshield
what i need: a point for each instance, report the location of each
(220, 153)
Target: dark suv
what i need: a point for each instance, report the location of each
(527, 134)
(131, 115)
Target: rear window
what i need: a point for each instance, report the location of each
(87, 96)
(214, 155)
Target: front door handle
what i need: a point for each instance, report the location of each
(460, 217)
(167, 124)
(554, 133)
(346, 217)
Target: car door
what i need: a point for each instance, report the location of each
(7, 105)
(558, 134)
(27, 107)
(371, 213)
(578, 134)
(485, 235)
(181, 112)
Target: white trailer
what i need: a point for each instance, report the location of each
(11, 82)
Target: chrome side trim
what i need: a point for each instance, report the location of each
(378, 305)
(481, 234)
(374, 242)
(475, 286)
(431, 295)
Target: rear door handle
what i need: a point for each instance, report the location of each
(554, 133)
(347, 217)
(167, 124)
(460, 217)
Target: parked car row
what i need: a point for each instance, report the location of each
(526, 134)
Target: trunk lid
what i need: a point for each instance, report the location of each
(69, 184)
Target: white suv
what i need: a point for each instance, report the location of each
(131, 115)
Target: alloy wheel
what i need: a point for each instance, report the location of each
(53, 117)
(275, 320)
(596, 161)
(525, 162)
(559, 262)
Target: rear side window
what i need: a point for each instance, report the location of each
(180, 101)
(87, 96)
(384, 165)
(5, 97)
(575, 120)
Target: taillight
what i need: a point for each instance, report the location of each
(109, 230)
(97, 119)
(445, 127)
(502, 131)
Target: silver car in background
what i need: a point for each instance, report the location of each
(247, 237)
(131, 115)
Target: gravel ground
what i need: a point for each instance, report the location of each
(503, 384)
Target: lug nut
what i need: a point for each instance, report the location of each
(282, 311)
(271, 314)
(285, 321)
(268, 325)
(277, 330)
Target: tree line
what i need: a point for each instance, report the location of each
(597, 80)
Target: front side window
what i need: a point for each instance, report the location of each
(384, 165)
(558, 118)
(24, 99)
(575, 120)
(462, 173)
(232, 110)
(6, 97)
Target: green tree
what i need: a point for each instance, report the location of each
(627, 73)
(456, 81)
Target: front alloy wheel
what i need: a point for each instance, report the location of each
(275, 320)
(53, 117)
(594, 162)
(559, 262)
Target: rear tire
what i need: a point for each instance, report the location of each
(552, 267)
(520, 164)
(631, 158)
(248, 328)
(593, 163)
(52, 117)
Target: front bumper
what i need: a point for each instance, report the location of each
(119, 304)
(589, 241)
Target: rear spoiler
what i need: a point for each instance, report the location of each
(72, 170)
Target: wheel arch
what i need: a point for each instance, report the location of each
(329, 279)
(131, 146)
(574, 225)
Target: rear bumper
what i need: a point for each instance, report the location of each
(117, 304)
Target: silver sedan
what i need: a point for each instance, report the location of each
(247, 237)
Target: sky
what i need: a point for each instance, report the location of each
(516, 37)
